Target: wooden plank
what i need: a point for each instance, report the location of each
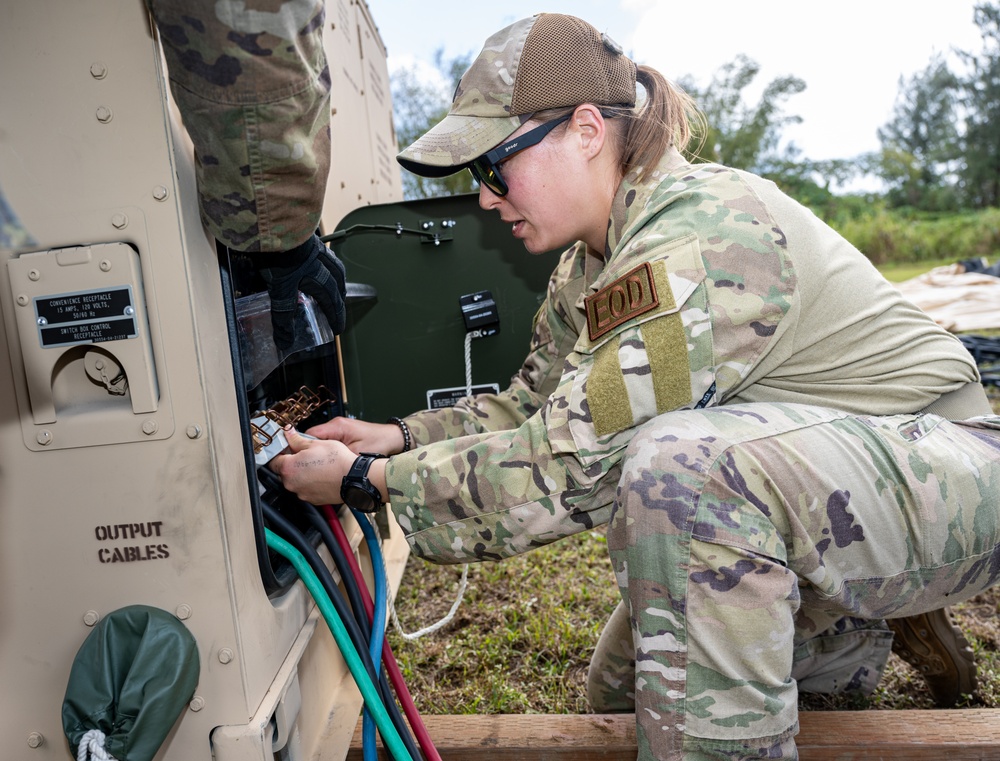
(940, 735)
(526, 736)
(945, 735)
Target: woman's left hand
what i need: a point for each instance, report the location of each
(313, 469)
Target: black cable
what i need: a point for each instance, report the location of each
(272, 481)
(354, 596)
(356, 632)
(359, 636)
(288, 531)
(350, 585)
(985, 350)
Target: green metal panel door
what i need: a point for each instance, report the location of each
(408, 265)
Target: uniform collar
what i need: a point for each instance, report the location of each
(632, 199)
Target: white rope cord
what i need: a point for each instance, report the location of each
(463, 582)
(468, 363)
(408, 636)
(92, 747)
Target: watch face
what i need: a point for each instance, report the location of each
(358, 499)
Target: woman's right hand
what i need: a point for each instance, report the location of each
(360, 436)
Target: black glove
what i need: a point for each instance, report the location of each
(311, 268)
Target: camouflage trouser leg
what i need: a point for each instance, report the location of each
(730, 521)
(849, 656)
(252, 84)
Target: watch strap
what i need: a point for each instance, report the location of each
(357, 478)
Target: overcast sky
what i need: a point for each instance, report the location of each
(850, 54)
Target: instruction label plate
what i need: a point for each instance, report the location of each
(447, 397)
(94, 316)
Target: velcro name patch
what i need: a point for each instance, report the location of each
(629, 296)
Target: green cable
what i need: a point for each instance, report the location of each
(372, 699)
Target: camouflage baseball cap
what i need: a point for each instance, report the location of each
(547, 61)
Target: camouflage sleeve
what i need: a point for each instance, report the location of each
(253, 89)
(553, 336)
(487, 496)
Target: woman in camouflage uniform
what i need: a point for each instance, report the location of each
(717, 375)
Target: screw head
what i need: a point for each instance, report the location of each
(44, 438)
(98, 70)
(35, 740)
(160, 193)
(183, 611)
(119, 220)
(104, 114)
(226, 655)
(194, 431)
(91, 617)
(197, 703)
(149, 427)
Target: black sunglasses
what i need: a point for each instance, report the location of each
(486, 168)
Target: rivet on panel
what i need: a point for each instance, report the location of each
(35, 740)
(183, 611)
(44, 438)
(22, 300)
(104, 114)
(105, 265)
(160, 193)
(98, 70)
(34, 275)
(119, 220)
(197, 703)
(91, 617)
(149, 427)
(225, 655)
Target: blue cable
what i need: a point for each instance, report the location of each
(378, 625)
(390, 736)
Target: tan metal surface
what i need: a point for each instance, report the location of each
(120, 501)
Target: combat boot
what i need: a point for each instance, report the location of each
(934, 646)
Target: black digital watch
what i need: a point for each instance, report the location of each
(356, 490)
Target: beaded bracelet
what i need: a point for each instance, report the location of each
(407, 439)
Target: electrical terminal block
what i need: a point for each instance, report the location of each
(268, 439)
(267, 426)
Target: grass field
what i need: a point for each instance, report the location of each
(897, 273)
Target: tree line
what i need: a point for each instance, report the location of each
(939, 151)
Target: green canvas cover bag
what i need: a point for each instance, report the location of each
(131, 679)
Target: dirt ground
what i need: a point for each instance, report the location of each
(903, 687)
